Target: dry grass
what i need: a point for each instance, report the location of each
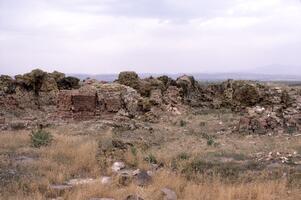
(12, 141)
(68, 157)
(210, 190)
(75, 153)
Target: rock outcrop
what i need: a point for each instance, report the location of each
(97, 99)
(7, 84)
(264, 108)
(33, 90)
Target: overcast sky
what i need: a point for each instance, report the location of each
(107, 36)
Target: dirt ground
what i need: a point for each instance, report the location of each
(197, 155)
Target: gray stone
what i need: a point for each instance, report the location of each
(106, 180)
(117, 166)
(133, 197)
(60, 187)
(169, 194)
(142, 178)
(101, 199)
(18, 125)
(81, 181)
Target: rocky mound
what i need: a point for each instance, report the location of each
(34, 89)
(263, 108)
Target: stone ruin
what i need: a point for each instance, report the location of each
(76, 104)
(263, 108)
(33, 90)
(98, 99)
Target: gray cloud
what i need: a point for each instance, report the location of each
(107, 36)
(160, 9)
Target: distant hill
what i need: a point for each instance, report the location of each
(203, 76)
(278, 69)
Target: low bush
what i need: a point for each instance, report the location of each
(40, 138)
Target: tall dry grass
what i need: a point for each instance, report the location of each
(68, 157)
(186, 190)
(76, 156)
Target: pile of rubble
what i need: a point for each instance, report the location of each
(123, 176)
(129, 96)
(281, 112)
(264, 108)
(33, 90)
(97, 99)
(280, 157)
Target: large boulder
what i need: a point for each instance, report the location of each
(114, 97)
(7, 84)
(247, 94)
(40, 81)
(172, 95)
(240, 94)
(167, 81)
(48, 84)
(187, 83)
(191, 91)
(156, 97)
(129, 78)
(57, 75)
(143, 86)
(32, 81)
(68, 83)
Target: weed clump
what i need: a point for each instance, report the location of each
(151, 159)
(40, 138)
(183, 156)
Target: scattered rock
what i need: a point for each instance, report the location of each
(136, 172)
(117, 166)
(133, 197)
(57, 198)
(106, 180)
(23, 160)
(81, 181)
(169, 194)
(125, 177)
(142, 178)
(18, 125)
(101, 199)
(60, 187)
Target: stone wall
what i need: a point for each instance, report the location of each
(98, 99)
(77, 105)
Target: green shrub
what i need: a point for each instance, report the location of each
(210, 139)
(291, 129)
(151, 159)
(183, 156)
(40, 138)
(210, 142)
(134, 151)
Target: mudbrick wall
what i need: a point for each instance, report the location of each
(74, 104)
